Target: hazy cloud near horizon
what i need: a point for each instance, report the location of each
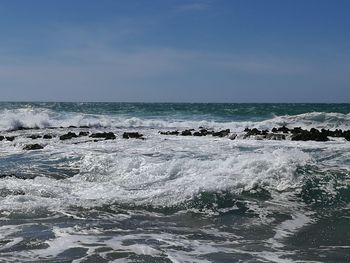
(195, 51)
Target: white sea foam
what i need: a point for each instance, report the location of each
(148, 172)
(42, 118)
(161, 171)
(175, 247)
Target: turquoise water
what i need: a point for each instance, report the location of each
(221, 111)
(172, 198)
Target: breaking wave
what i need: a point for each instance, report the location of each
(43, 118)
(109, 178)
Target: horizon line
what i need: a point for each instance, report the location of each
(165, 102)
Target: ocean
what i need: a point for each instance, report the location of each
(172, 198)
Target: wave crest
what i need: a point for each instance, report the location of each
(44, 118)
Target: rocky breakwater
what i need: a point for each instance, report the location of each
(281, 133)
(201, 132)
(276, 133)
(43, 137)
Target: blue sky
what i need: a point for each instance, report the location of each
(175, 50)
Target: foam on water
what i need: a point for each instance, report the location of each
(175, 198)
(146, 173)
(42, 118)
(162, 246)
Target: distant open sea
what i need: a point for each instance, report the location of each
(172, 198)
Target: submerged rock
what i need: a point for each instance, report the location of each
(169, 133)
(10, 138)
(186, 133)
(35, 146)
(103, 135)
(83, 134)
(18, 176)
(232, 136)
(222, 133)
(135, 135)
(205, 132)
(34, 136)
(6, 192)
(68, 136)
(47, 136)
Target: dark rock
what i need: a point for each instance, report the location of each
(346, 135)
(313, 130)
(274, 130)
(84, 127)
(327, 132)
(297, 130)
(30, 147)
(209, 132)
(83, 134)
(6, 175)
(104, 135)
(312, 135)
(47, 136)
(2, 138)
(320, 137)
(338, 133)
(73, 127)
(283, 129)
(10, 138)
(204, 132)
(169, 133)
(68, 136)
(135, 135)
(232, 136)
(18, 176)
(34, 136)
(264, 132)
(252, 132)
(301, 137)
(186, 133)
(222, 133)
(197, 134)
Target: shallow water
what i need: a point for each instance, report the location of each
(173, 198)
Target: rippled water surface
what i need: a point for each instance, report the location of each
(172, 198)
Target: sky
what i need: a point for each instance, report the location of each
(175, 50)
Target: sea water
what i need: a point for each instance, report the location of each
(172, 198)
